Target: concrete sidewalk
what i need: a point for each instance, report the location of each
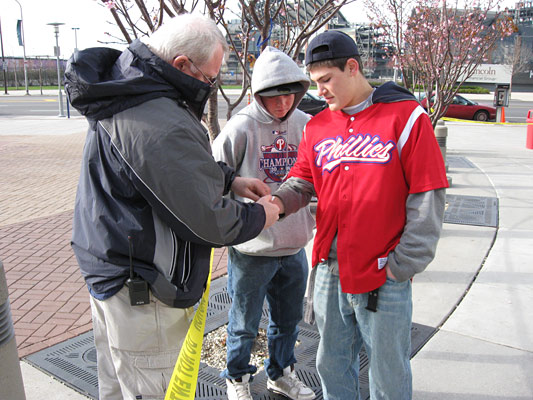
(484, 346)
(477, 292)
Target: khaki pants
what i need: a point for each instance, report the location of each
(136, 347)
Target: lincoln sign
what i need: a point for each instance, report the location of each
(492, 73)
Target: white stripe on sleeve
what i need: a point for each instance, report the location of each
(417, 112)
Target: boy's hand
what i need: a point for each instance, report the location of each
(277, 201)
(251, 188)
(389, 273)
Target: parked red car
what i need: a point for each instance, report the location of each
(462, 108)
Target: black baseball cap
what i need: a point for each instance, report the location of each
(329, 45)
(281, 90)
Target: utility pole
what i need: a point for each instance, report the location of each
(23, 48)
(4, 65)
(75, 38)
(60, 95)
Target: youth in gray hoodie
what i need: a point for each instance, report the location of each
(262, 141)
(257, 144)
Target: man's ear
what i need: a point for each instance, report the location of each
(179, 62)
(353, 66)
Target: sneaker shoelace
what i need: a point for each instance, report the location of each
(242, 389)
(295, 382)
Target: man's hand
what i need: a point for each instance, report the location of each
(251, 188)
(271, 210)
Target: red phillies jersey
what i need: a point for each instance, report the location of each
(363, 167)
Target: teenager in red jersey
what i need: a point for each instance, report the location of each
(373, 162)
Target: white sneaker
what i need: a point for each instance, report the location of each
(290, 386)
(239, 390)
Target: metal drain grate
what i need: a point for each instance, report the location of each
(459, 162)
(74, 361)
(471, 210)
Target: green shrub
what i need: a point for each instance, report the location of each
(473, 89)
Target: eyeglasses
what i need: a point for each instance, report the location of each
(211, 81)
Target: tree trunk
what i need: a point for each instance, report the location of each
(405, 79)
(212, 115)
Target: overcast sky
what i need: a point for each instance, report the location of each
(89, 16)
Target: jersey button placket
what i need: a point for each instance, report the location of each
(345, 195)
(349, 133)
(346, 183)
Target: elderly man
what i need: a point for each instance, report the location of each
(150, 203)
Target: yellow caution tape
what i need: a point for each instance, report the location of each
(182, 384)
(482, 122)
(485, 122)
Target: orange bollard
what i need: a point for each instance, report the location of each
(529, 139)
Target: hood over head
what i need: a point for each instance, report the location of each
(276, 74)
(101, 81)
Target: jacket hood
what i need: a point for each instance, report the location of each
(101, 81)
(273, 68)
(390, 92)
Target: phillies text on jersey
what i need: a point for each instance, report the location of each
(357, 148)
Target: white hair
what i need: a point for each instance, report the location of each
(191, 35)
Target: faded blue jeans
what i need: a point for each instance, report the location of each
(345, 325)
(282, 280)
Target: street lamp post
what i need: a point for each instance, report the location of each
(60, 95)
(75, 38)
(23, 48)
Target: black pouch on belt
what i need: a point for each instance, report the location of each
(372, 304)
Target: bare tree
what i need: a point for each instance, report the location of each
(298, 21)
(293, 23)
(138, 18)
(516, 54)
(244, 57)
(391, 18)
(215, 10)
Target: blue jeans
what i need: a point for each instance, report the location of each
(345, 325)
(283, 281)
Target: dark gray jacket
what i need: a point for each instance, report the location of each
(147, 173)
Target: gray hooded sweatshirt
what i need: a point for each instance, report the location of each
(262, 146)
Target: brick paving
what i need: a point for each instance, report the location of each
(48, 297)
(39, 175)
